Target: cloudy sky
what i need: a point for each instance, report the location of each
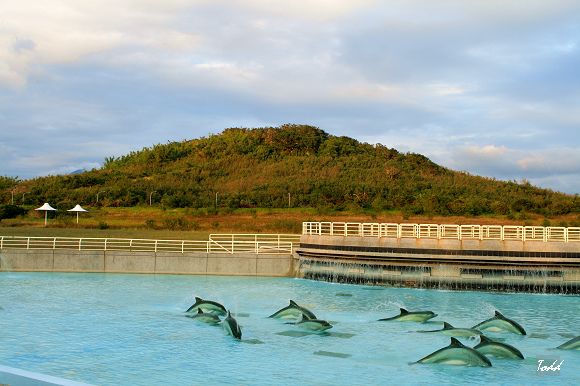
(491, 87)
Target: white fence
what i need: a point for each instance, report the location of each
(256, 244)
(443, 231)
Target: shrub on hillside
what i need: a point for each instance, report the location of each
(11, 211)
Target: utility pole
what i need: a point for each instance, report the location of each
(216, 193)
(288, 199)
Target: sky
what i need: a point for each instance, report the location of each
(489, 87)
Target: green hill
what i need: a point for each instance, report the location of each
(262, 167)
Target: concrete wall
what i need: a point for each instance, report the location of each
(62, 260)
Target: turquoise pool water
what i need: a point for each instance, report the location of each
(113, 329)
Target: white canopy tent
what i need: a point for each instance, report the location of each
(77, 209)
(46, 207)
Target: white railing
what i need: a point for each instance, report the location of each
(443, 231)
(256, 244)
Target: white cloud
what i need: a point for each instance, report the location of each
(488, 151)
(64, 31)
(506, 163)
(314, 10)
(533, 162)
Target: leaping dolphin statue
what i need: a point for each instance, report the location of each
(572, 344)
(448, 329)
(500, 323)
(457, 354)
(312, 324)
(412, 316)
(207, 306)
(206, 317)
(491, 348)
(292, 311)
(232, 327)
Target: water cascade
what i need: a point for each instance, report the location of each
(529, 279)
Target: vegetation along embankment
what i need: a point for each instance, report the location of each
(270, 180)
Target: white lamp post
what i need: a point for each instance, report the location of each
(150, 194)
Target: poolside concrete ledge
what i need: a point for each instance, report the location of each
(13, 377)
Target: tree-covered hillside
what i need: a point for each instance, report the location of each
(267, 167)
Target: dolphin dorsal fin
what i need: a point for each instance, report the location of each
(498, 314)
(404, 311)
(447, 326)
(199, 311)
(293, 303)
(455, 343)
(198, 299)
(484, 339)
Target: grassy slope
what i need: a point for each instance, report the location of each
(132, 222)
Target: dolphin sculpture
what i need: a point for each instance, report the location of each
(312, 324)
(572, 344)
(413, 316)
(490, 348)
(500, 323)
(457, 354)
(206, 317)
(292, 311)
(232, 327)
(448, 329)
(207, 306)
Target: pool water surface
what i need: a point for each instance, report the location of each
(113, 329)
